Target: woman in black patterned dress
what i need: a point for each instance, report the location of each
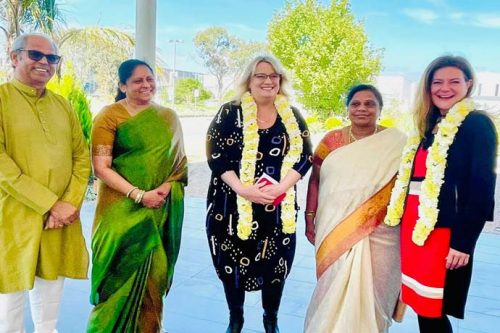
(251, 233)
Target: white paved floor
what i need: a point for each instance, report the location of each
(196, 301)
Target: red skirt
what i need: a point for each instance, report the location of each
(423, 267)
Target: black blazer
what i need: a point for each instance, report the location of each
(467, 196)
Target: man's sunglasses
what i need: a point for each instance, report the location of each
(37, 56)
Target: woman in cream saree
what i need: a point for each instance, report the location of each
(357, 257)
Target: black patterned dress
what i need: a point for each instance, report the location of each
(266, 256)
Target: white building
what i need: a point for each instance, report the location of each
(487, 92)
(398, 90)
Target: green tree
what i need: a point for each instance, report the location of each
(18, 16)
(239, 60)
(224, 55)
(185, 88)
(244, 53)
(70, 88)
(214, 46)
(326, 49)
(96, 53)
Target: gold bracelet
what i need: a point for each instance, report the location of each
(310, 213)
(130, 191)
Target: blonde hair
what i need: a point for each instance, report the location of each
(242, 85)
(424, 111)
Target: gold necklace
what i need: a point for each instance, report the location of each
(133, 110)
(352, 138)
(129, 108)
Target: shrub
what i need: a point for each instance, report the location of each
(68, 87)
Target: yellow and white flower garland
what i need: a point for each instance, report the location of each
(249, 159)
(434, 178)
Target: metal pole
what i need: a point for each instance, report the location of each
(145, 31)
(175, 74)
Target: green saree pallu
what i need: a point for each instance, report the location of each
(135, 248)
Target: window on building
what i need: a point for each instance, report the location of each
(497, 86)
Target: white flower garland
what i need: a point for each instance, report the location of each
(249, 159)
(434, 178)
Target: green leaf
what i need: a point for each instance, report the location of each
(326, 49)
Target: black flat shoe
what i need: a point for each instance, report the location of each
(271, 325)
(234, 327)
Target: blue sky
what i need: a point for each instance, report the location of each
(411, 32)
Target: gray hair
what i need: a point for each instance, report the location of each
(244, 79)
(20, 41)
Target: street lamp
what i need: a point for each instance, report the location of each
(174, 73)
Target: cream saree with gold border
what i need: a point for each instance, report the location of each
(357, 256)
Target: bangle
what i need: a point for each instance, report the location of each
(138, 198)
(310, 213)
(130, 191)
(142, 196)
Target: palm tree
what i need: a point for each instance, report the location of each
(95, 53)
(19, 16)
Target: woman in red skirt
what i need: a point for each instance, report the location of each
(444, 193)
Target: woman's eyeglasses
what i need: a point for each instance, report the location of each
(37, 56)
(263, 77)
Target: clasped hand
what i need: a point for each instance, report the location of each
(156, 198)
(261, 193)
(61, 214)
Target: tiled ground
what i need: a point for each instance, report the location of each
(196, 301)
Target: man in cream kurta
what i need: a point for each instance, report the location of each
(44, 169)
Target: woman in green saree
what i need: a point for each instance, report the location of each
(138, 156)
